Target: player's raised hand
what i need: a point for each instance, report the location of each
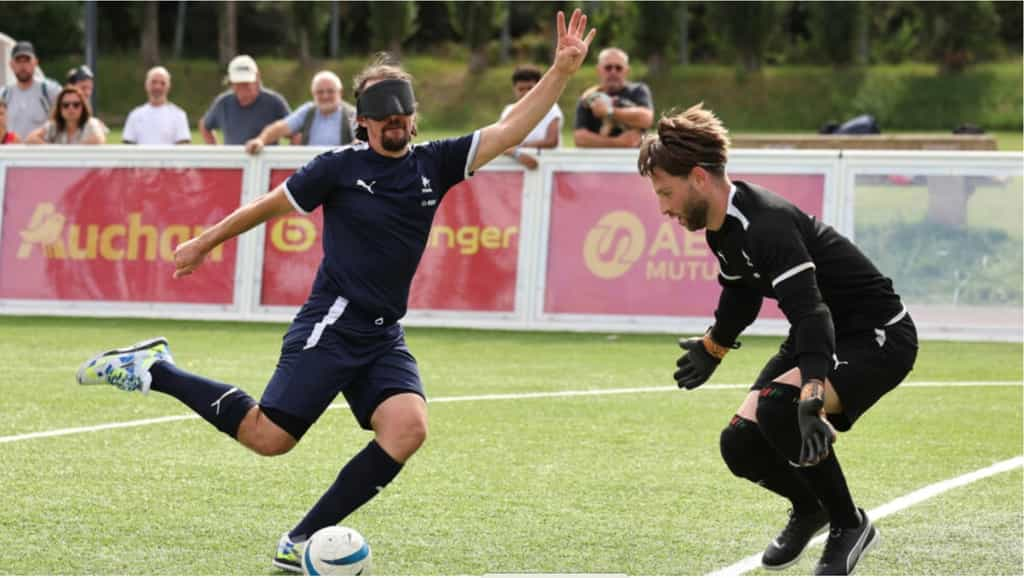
(188, 256)
(572, 46)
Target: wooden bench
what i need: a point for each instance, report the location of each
(954, 142)
(947, 195)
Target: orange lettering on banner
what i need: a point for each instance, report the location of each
(471, 238)
(75, 251)
(616, 242)
(664, 239)
(681, 270)
(293, 234)
(113, 242)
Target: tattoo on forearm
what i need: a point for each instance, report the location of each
(813, 389)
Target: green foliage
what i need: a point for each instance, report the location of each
(655, 31)
(53, 27)
(392, 23)
(615, 22)
(834, 27)
(898, 29)
(933, 263)
(962, 32)
(749, 27)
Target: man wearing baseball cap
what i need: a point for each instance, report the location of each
(29, 100)
(242, 112)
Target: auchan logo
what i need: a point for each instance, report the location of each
(619, 240)
(49, 231)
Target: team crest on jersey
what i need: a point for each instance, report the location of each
(426, 186)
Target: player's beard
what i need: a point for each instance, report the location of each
(23, 76)
(394, 144)
(695, 213)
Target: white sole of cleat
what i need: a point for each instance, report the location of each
(130, 349)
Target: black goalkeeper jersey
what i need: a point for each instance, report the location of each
(824, 284)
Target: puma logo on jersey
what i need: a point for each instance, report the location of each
(368, 187)
(747, 257)
(835, 358)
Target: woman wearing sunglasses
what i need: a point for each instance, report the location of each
(71, 122)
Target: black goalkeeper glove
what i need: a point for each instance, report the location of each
(696, 365)
(816, 434)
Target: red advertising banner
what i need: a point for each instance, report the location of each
(610, 252)
(108, 234)
(470, 263)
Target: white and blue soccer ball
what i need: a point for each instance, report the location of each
(336, 551)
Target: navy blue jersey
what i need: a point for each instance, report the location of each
(377, 216)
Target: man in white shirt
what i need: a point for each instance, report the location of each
(159, 121)
(548, 132)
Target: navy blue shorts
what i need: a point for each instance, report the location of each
(318, 361)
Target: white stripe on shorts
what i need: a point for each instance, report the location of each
(332, 315)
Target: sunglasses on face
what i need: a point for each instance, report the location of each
(614, 67)
(71, 104)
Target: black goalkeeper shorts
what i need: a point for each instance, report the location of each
(867, 366)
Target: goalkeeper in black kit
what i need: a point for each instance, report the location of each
(850, 342)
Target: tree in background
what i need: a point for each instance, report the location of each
(391, 24)
(748, 28)
(149, 48)
(961, 32)
(227, 32)
(55, 28)
(478, 23)
(307, 20)
(435, 26)
(655, 32)
(835, 27)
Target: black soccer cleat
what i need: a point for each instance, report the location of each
(787, 547)
(845, 546)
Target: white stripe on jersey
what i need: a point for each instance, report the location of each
(731, 209)
(791, 272)
(472, 154)
(291, 199)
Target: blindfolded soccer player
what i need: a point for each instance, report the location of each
(378, 198)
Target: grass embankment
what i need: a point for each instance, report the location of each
(905, 98)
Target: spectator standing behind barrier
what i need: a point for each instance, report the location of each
(82, 78)
(242, 112)
(616, 112)
(6, 136)
(71, 122)
(548, 132)
(324, 121)
(159, 121)
(29, 100)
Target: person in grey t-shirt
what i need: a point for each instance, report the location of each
(242, 112)
(29, 100)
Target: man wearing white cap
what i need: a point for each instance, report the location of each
(242, 112)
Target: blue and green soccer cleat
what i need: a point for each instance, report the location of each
(127, 368)
(289, 554)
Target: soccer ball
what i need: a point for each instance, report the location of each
(336, 551)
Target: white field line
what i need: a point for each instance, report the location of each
(917, 496)
(464, 398)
